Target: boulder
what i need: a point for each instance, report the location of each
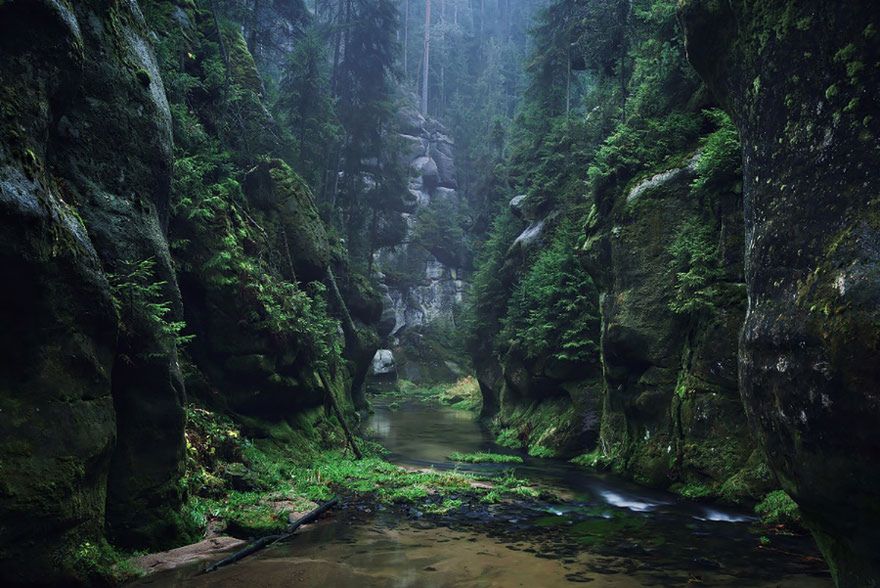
(383, 364)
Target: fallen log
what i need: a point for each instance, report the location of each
(270, 539)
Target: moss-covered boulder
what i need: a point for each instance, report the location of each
(800, 80)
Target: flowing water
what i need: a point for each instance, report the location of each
(607, 533)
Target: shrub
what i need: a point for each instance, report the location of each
(777, 508)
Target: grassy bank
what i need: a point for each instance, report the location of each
(250, 487)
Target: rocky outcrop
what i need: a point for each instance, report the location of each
(423, 267)
(800, 80)
(92, 398)
(259, 275)
(548, 404)
(383, 364)
(672, 412)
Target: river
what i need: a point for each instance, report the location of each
(608, 532)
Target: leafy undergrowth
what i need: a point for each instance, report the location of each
(594, 460)
(250, 488)
(464, 394)
(777, 508)
(484, 457)
(97, 563)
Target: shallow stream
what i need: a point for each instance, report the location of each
(608, 533)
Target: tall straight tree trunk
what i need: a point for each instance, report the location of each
(405, 36)
(253, 35)
(337, 47)
(427, 57)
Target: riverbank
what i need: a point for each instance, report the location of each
(414, 508)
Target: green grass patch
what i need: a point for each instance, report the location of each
(484, 457)
(594, 459)
(252, 486)
(541, 451)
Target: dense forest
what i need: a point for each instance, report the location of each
(506, 292)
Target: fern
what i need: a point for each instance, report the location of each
(136, 291)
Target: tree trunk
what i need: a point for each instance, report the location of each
(255, 23)
(263, 542)
(337, 45)
(405, 36)
(426, 60)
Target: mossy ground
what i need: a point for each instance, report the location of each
(249, 487)
(484, 457)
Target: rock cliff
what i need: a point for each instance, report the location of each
(148, 225)
(797, 78)
(92, 393)
(423, 268)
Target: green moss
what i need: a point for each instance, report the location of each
(280, 474)
(541, 451)
(96, 562)
(484, 457)
(255, 521)
(508, 437)
(845, 54)
(595, 459)
(143, 77)
(446, 506)
(694, 490)
(852, 106)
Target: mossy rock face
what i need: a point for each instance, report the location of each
(94, 412)
(671, 380)
(275, 188)
(799, 80)
(115, 158)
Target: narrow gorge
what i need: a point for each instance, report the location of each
(419, 293)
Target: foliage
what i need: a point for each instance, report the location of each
(721, 156)
(305, 107)
(96, 562)
(695, 491)
(541, 451)
(552, 310)
(484, 457)
(441, 230)
(136, 292)
(252, 485)
(463, 394)
(595, 459)
(696, 267)
(777, 508)
(490, 284)
(509, 437)
(637, 146)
